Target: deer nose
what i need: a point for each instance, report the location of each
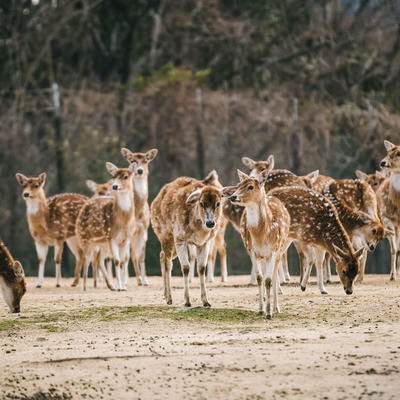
(383, 164)
(26, 194)
(210, 224)
(233, 198)
(349, 291)
(371, 247)
(115, 187)
(140, 171)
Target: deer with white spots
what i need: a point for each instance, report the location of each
(185, 213)
(389, 204)
(51, 222)
(12, 279)
(107, 224)
(316, 228)
(140, 177)
(264, 228)
(357, 208)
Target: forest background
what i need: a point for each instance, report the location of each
(315, 83)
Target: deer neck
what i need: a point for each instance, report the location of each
(124, 200)
(394, 187)
(257, 215)
(337, 236)
(36, 206)
(141, 191)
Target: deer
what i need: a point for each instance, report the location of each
(357, 208)
(185, 213)
(108, 222)
(374, 180)
(12, 279)
(264, 228)
(315, 227)
(388, 195)
(100, 189)
(51, 222)
(279, 178)
(140, 177)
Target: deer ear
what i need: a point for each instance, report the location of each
(42, 178)
(242, 175)
(359, 252)
(132, 167)
(111, 168)
(271, 161)
(151, 154)
(367, 219)
(227, 191)
(211, 178)
(263, 175)
(91, 185)
(21, 179)
(248, 162)
(339, 252)
(126, 153)
(193, 197)
(388, 145)
(18, 270)
(361, 175)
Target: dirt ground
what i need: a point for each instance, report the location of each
(330, 346)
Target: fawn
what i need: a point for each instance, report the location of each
(51, 222)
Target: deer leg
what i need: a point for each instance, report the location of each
(166, 268)
(319, 261)
(41, 251)
(182, 251)
(285, 268)
(276, 286)
(269, 283)
(192, 261)
(363, 262)
(393, 254)
(223, 263)
(105, 273)
(142, 257)
(74, 247)
(259, 277)
(212, 256)
(135, 260)
(201, 270)
(308, 255)
(58, 249)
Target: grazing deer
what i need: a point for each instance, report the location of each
(12, 279)
(108, 222)
(51, 222)
(389, 204)
(140, 177)
(185, 213)
(315, 227)
(357, 208)
(264, 228)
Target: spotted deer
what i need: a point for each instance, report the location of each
(101, 189)
(140, 177)
(185, 213)
(280, 178)
(389, 204)
(315, 227)
(108, 222)
(12, 279)
(264, 228)
(51, 222)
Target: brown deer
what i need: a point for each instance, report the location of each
(264, 228)
(12, 279)
(315, 227)
(140, 177)
(108, 222)
(389, 204)
(51, 222)
(185, 213)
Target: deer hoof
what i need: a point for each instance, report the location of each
(58, 285)
(207, 305)
(38, 286)
(303, 288)
(268, 316)
(324, 292)
(169, 302)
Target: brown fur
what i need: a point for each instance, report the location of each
(315, 222)
(264, 229)
(51, 220)
(388, 196)
(185, 213)
(12, 279)
(140, 178)
(104, 221)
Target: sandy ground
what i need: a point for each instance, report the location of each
(319, 347)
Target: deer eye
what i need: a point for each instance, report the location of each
(397, 154)
(217, 204)
(250, 187)
(373, 231)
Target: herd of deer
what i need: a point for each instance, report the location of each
(271, 208)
